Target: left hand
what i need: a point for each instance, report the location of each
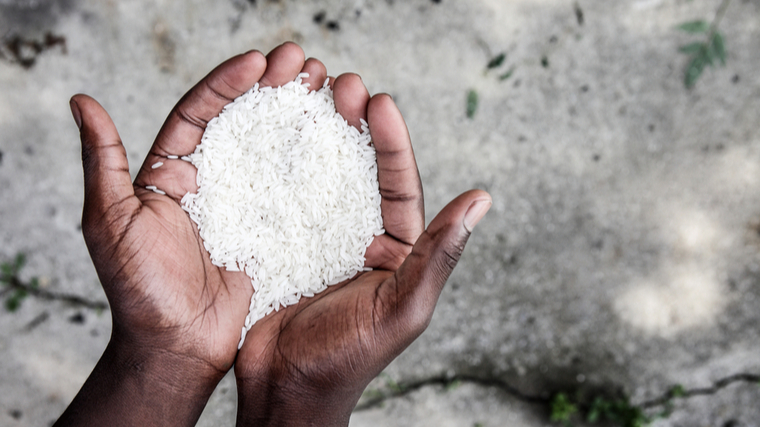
(176, 317)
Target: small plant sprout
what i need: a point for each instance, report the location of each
(496, 61)
(472, 103)
(706, 52)
(619, 412)
(562, 408)
(507, 75)
(394, 386)
(9, 278)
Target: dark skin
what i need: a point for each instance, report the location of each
(177, 318)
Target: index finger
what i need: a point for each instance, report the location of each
(185, 125)
(402, 204)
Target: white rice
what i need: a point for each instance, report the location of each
(172, 157)
(157, 165)
(154, 189)
(288, 193)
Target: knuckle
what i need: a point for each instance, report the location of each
(449, 257)
(419, 317)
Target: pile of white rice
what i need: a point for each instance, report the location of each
(288, 193)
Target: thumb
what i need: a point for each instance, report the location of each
(107, 183)
(421, 277)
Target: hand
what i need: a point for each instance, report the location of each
(309, 363)
(176, 317)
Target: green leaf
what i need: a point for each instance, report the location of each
(34, 283)
(472, 103)
(694, 70)
(692, 48)
(20, 261)
(708, 56)
(693, 27)
(496, 61)
(677, 391)
(599, 407)
(719, 48)
(7, 271)
(507, 75)
(562, 408)
(453, 385)
(593, 415)
(13, 302)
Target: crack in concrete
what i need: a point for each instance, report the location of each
(15, 283)
(403, 389)
(703, 391)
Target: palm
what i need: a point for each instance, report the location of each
(175, 280)
(335, 329)
(357, 316)
(159, 280)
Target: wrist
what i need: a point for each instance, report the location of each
(136, 385)
(263, 403)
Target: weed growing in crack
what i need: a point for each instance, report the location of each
(612, 411)
(453, 385)
(562, 409)
(617, 412)
(392, 385)
(15, 290)
(9, 278)
(621, 412)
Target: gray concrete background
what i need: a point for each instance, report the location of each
(622, 252)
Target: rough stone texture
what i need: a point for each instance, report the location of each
(622, 251)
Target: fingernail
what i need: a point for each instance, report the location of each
(475, 213)
(76, 113)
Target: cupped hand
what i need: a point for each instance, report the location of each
(176, 316)
(309, 363)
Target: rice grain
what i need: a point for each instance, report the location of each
(287, 193)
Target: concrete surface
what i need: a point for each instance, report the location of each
(622, 253)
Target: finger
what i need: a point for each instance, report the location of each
(417, 284)
(386, 253)
(351, 98)
(186, 123)
(317, 73)
(109, 195)
(168, 176)
(283, 65)
(402, 205)
(162, 171)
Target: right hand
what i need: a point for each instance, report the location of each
(309, 363)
